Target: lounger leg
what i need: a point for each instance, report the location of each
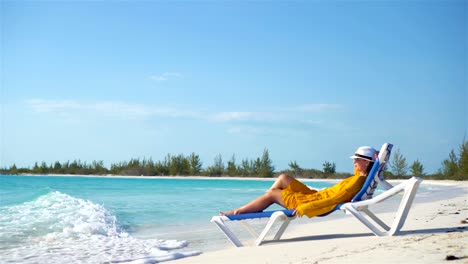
(274, 217)
(364, 220)
(282, 228)
(376, 219)
(405, 205)
(229, 234)
(249, 228)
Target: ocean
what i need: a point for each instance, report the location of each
(72, 219)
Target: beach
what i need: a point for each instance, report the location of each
(93, 219)
(434, 232)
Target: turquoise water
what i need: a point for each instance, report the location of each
(47, 219)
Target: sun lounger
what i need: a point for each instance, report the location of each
(358, 207)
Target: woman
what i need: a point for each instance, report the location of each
(292, 194)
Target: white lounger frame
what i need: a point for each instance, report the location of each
(220, 222)
(358, 207)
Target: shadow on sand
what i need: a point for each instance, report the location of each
(402, 233)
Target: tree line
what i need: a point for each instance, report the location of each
(172, 165)
(455, 167)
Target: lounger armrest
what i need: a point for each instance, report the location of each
(387, 194)
(384, 183)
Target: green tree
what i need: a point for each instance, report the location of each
(463, 161)
(417, 168)
(450, 165)
(265, 165)
(231, 166)
(97, 167)
(456, 168)
(329, 167)
(398, 164)
(36, 168)
(195, 164)
(218, 167)
(246, 168)
(162, 167)
(295, 168)
(13, 169)
(179, 165)
(58, 167)
(43, 168)
(134, 167)
(150, 168)
(256, 166)
(66, 166)
(75, 167)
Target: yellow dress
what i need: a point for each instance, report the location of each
(312, 203)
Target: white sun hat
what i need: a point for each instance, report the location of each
(365, 153)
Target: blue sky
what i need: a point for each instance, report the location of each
(308, 80)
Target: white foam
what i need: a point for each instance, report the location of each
(58, 228)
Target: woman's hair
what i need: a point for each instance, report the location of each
(369, 167)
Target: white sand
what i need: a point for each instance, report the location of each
(434, 229)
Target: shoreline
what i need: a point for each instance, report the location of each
(432, 182)
(161, 177)
(109, 176)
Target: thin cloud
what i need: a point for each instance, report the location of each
(277, 115)
(252, 130)
(127, 111)
(165, 76)
(40, 105)
(105, 108)
(232, 116)
(315, 107)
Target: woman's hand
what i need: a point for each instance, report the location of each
(295, 213)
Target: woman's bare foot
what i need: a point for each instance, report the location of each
(232, 212)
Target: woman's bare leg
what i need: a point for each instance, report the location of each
(273, 195)
(259, 204)
(282, 182)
